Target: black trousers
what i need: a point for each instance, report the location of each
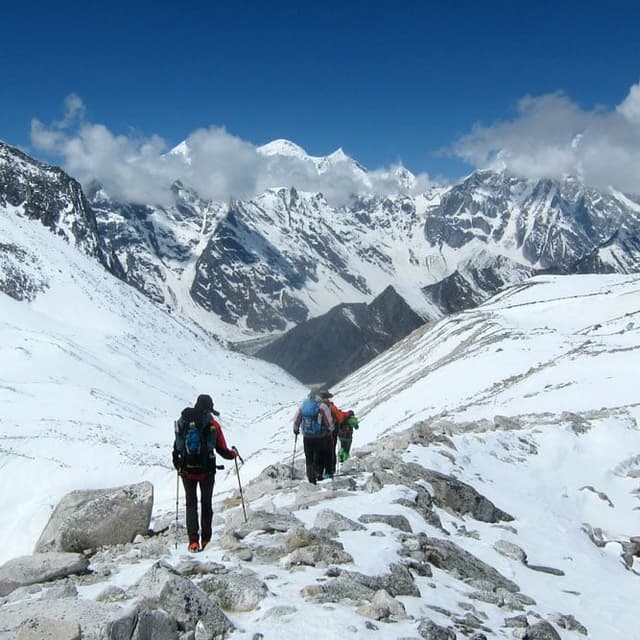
(331, 467)
(206, 510)
(317, 453)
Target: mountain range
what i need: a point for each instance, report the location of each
(256, 268)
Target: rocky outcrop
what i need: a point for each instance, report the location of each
(313, 531)
(46, 193)
(352, 333)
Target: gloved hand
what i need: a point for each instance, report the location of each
(296, 430)
(177, 460)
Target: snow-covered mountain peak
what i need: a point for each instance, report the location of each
(182, 151)
(282, 147)
(338, 156)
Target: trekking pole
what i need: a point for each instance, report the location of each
(239, 484)
(293, 457)
(177, 495)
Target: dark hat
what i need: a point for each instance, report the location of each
(325, 393)
(205, 403)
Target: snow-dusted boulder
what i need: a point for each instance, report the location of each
(164, 588)
(40, 567)
(91, 519)
(242, 592)
(31, 619)
(334, 521)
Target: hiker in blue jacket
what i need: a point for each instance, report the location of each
(315, 422)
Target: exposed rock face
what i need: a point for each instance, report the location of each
(474, 282)
(90, 519)
(327, 348)
(46, 193)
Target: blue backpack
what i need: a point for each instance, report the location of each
(311, 423)
(194, 442)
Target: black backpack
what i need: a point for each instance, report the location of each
(194, 445)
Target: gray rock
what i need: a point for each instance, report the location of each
(111, 593)
(39, 567)
(90, 519)
(236, 592)
(541, 631)
(398, 582)
(397, 522)
(448, 556)
(302, 537)
(542, 569)
(567, 621)
(334, 521)
(383, 607)
(516, 621)
(424, 505)
(341, 589)
(429, 630)
(318, 555)
(462, 499)
(268, 522)
(510, 550)
(49, 629)
(97, 621)
(154, 625)
(62, 590)
(163, 588)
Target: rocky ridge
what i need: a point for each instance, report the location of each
(242, 586)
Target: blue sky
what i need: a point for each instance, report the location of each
(388, 82)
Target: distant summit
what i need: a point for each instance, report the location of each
(282, 147)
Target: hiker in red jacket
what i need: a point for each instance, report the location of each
(338, 417)
(198, 436)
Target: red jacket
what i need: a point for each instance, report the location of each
(338, 415)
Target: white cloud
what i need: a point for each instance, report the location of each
(220, 165)
(552, 136)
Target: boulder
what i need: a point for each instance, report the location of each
(91, 519)
(41, 628)
(40, 567)
(163, 588)
(32, 619)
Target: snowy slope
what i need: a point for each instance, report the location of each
(92, 377)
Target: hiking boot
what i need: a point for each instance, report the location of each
(193, 547)
(203, 544)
